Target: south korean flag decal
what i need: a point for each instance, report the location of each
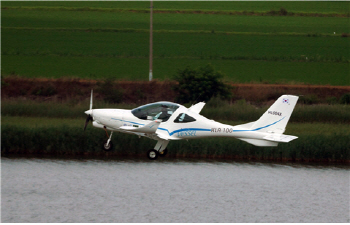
(286, 100)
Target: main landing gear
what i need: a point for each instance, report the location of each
(159, 150)
(153, 154)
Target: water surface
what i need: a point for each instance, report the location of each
(86, 190)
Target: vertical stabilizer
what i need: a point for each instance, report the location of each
(275, 119)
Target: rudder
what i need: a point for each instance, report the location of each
(275, 119)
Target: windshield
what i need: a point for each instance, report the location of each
(153, 111)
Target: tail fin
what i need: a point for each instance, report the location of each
(275, 119)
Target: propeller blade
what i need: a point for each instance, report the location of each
(91, 99)
(87, 121)
(89, 112)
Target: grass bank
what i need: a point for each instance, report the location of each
(68, 140)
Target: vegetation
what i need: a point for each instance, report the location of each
(57, 129)
(345, 99)
(111, 93)
(249, 42)
(303, 42)
(196, 85)
(314, 7)
(70, 140)
(215, 109)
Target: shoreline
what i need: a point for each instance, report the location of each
(110, 156)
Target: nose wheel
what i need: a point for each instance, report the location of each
(108, 145)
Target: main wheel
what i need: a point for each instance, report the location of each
(108, 147)
(163, 153)
(152, 154)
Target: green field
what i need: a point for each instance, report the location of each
(309, 6)
(97, 40)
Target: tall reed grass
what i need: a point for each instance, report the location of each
(217, 110)
(65, 140)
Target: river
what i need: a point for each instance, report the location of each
(171, 190)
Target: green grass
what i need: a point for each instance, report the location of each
(54, 42)
(256, 58)
(239, 71)
(169, 45)
(308, 6)
(164, 21)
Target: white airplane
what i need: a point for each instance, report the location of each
(166, 121)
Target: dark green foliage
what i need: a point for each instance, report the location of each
(345, 99)
(309, 99)
(45, 91)
(281, 12)
(196, 85)
(110, 90)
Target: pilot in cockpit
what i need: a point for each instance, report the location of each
(164, 114)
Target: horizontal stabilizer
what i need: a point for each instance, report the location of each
(280, 138)
(148, 128)
(270, 140)
(260, 143)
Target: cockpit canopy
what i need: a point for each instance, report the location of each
(153, 111)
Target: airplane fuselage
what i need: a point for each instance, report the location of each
(114, 119)
(166, 121)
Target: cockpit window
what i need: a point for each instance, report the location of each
(184, 118)
(153, 111)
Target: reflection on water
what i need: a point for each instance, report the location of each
(168, 190)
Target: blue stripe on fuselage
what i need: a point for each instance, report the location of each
(198, 129)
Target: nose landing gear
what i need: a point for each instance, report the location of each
(108, 145)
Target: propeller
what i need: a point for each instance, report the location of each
(89, 118)
(89, 113)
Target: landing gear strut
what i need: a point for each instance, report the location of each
(108, 145)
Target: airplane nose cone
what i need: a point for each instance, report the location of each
(88, 112)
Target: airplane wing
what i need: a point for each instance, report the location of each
(167, 137)
(148, 128)
(197, 108)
